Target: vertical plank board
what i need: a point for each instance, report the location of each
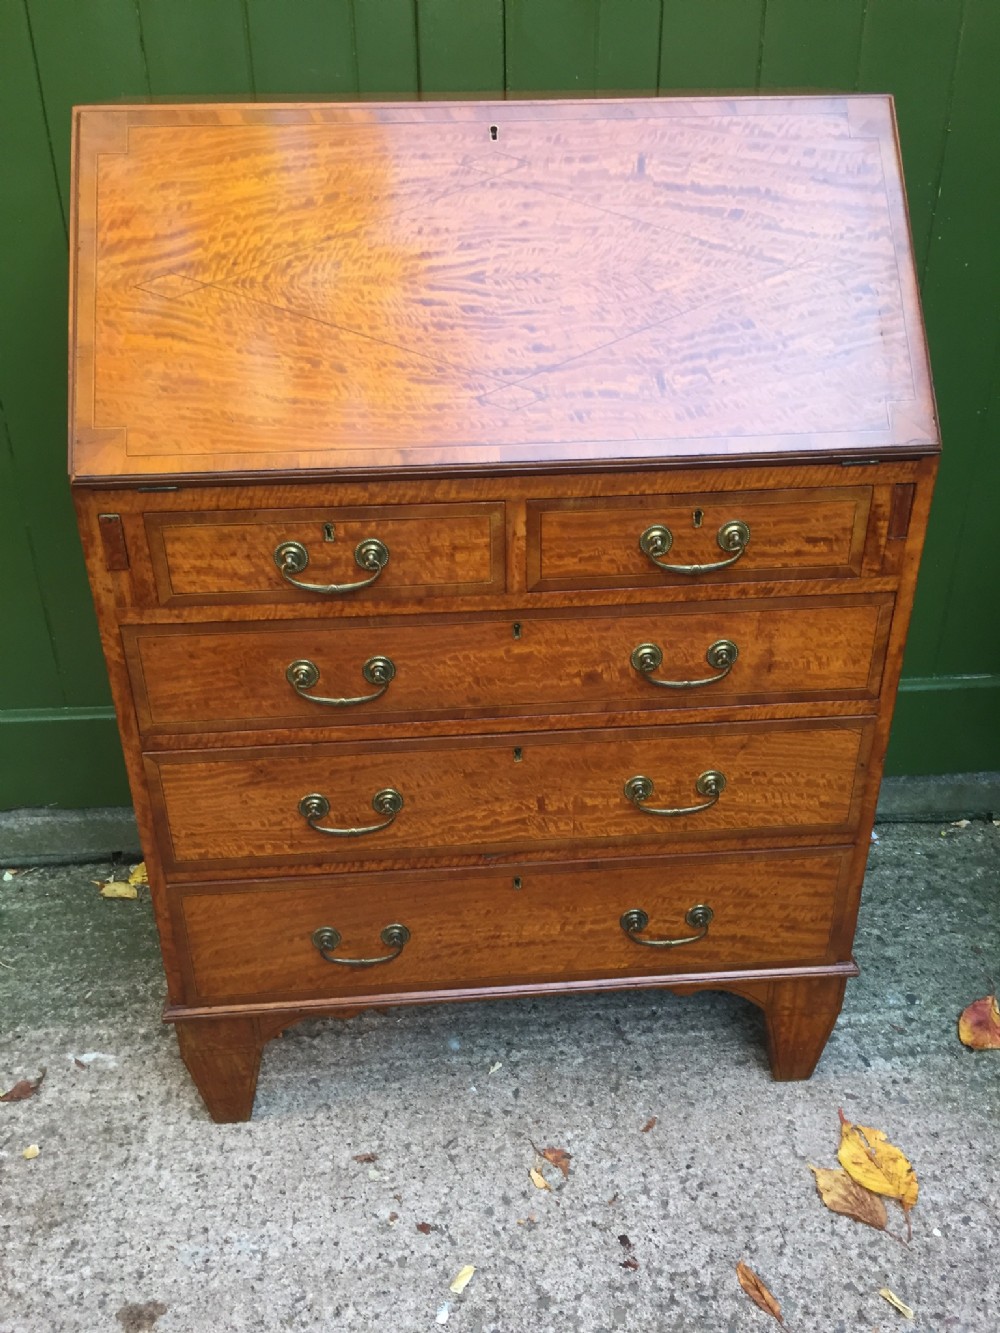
(385, 32)
(713, 44)
(809, 45)
(196, 48)
(33, 291)
(628, 46)
(551, 45)
(961, 296)
(920, 73)
(28, 676)
(970, 641)
(86, 53)
(460, 45)
(302, 47)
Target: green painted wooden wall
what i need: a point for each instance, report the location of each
(939, 57)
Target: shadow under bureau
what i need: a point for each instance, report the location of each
(503, 521)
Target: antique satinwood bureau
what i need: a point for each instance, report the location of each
(503, 520)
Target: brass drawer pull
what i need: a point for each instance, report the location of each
(636, 919)
(721, 656)
(711, 784)
(303, 674)
(292, 558)
(326, 939)
(385, 802)
(657, 540)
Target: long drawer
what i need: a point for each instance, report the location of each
(479, 795)
(313, 673)
(525, 924)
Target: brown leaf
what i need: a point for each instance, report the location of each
(78, 1062)
(624, 1242)
(979, 1025)
(613, 1200)
(868, 1156)
(425, 1228)
(557, 1157)
(23, 1089)
(630, 1263)
(366, 1157)
(757, 1292)
(650, 1124)
(393, 1217)
(841, 1194)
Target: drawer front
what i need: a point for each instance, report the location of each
(527, 924)
(486, 795)
(372, 554)
(187, 678)
(727, 537)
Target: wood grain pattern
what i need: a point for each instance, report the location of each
(356, 283)
(227, 677)
(228, 556)
(504, 352)
(483, 795)
(594, 544)
(528, 924)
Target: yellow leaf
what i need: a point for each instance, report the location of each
(538, 1180)
(757, 1292)
(895, 1302)
(138, 875)
(113, 888)
(843, 1195)
(870, 1159)
(462, 1279)
(31, 1151)
(979, 1025)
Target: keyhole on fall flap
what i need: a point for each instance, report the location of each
(493, 133)
(517, 881)
(518, 755)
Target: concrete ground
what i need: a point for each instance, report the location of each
(140, 1213)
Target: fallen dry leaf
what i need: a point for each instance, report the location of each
(116, 888)
(757, 1292)
(138, 874)
(557, 1157)
(868, 1156)
(31, 1151)
(538, 1180)
(630, 1263)
(139, 1318)
(23, 1089)
(650, 1124)
(78, 1062)
(366, 1157)
(624, 1242)
(961, 823)
(393, 1219)
(979, 1025)
(895, 1302)
(841, 1194)
(425, 1228)
(462, 1279)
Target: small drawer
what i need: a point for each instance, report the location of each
(310, 673)
(314, 556)
(717, 537)
(484, 795)
(522, 926)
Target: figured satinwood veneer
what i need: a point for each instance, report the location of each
(604, 433)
